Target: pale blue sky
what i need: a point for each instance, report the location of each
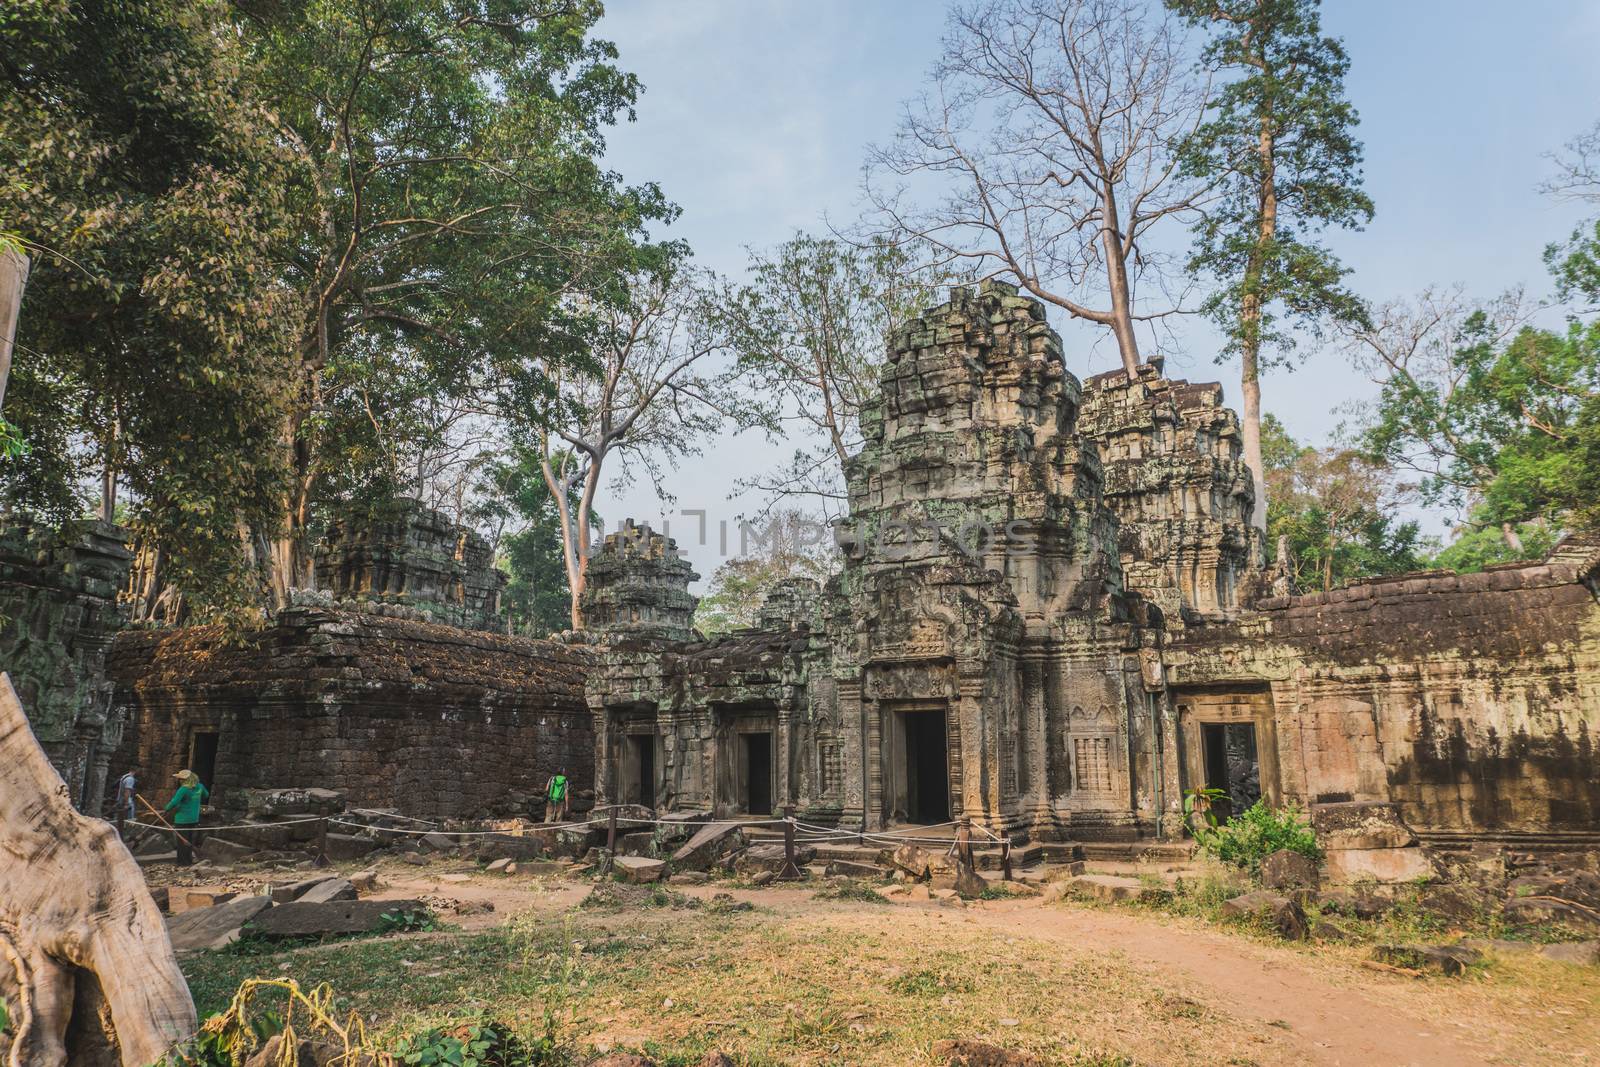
(756, 114)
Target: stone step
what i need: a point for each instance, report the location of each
(1145, 851)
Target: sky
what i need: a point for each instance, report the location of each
(756, 116)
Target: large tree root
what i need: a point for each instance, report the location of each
(86, 969)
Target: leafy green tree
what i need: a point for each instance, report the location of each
(157, 336)
(536, 598)
(1280, 142)
(1334, 510)
(1482, 544)
(786, 546)
(454, 214)
(1500, 419)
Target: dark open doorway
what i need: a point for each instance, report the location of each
(927, 767)
(1231, 766)
(757, 773)
(640, 784)
(203, 757)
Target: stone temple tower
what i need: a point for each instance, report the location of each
(638, 585)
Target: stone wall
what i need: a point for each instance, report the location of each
(430, 719)
(415, 558)
(1472, 701)
(57, 619)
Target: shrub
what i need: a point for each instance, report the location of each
(1247, 839)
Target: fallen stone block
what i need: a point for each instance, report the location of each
(710, 843)
(218, 850)
(1283, 913)
(348, 846)
(638, 870)
(499, 866)
(1286, 869)
(1112, 888)
(328, 890)
(1500, 946)
(1448, 960)
(638, 843)
(364, 881)
(206, 898)
(853, 869)
(214, 927)
(912, 859)
(769, 859)
(282, 894)
(1391, 865)
(1546, 911)
(306, 919)
(437, 842)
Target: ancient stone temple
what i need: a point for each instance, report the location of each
(1051, 617)
(415, 558)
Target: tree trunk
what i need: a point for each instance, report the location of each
(13, 280)
(1508, 532)
(1250, 321)
(76, 924)
(1117, 284)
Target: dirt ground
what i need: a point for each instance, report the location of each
(800, 978)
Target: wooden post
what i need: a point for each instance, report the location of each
(791, 871)
(322, 844)
(1005, 857)
(964, 840)
(611, 830)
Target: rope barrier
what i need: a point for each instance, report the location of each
(234, 826)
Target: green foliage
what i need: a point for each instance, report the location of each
(1280, 142)
(475, 1044)
(780, 549)
(1198, 813)
(412, 920)
(537, 598)
(1247, 839)
(156, 335)
(1334, 507)
(1484, 545)
(1505, 422)
(456, 236)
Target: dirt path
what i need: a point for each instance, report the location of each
(1322, 1003)
(1335, 1025)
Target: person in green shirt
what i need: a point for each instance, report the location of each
(185, 808)
(555, 795)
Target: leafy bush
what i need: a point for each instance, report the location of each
(1247, 839)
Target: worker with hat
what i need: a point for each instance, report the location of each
(185, 808)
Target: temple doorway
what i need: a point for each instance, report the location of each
(927, 768)
(1232, 766)
(756, 776)
(203, 757)
(639, 770)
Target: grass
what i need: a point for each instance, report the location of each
(861, 986)
(850, 889)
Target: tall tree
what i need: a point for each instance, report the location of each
(657, 389)
(157, 336)
(1281, 143)
(454, 210)
(1334, 510)
(811, 327)
(537, 601)
(1501, 420)
(1052, 126)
